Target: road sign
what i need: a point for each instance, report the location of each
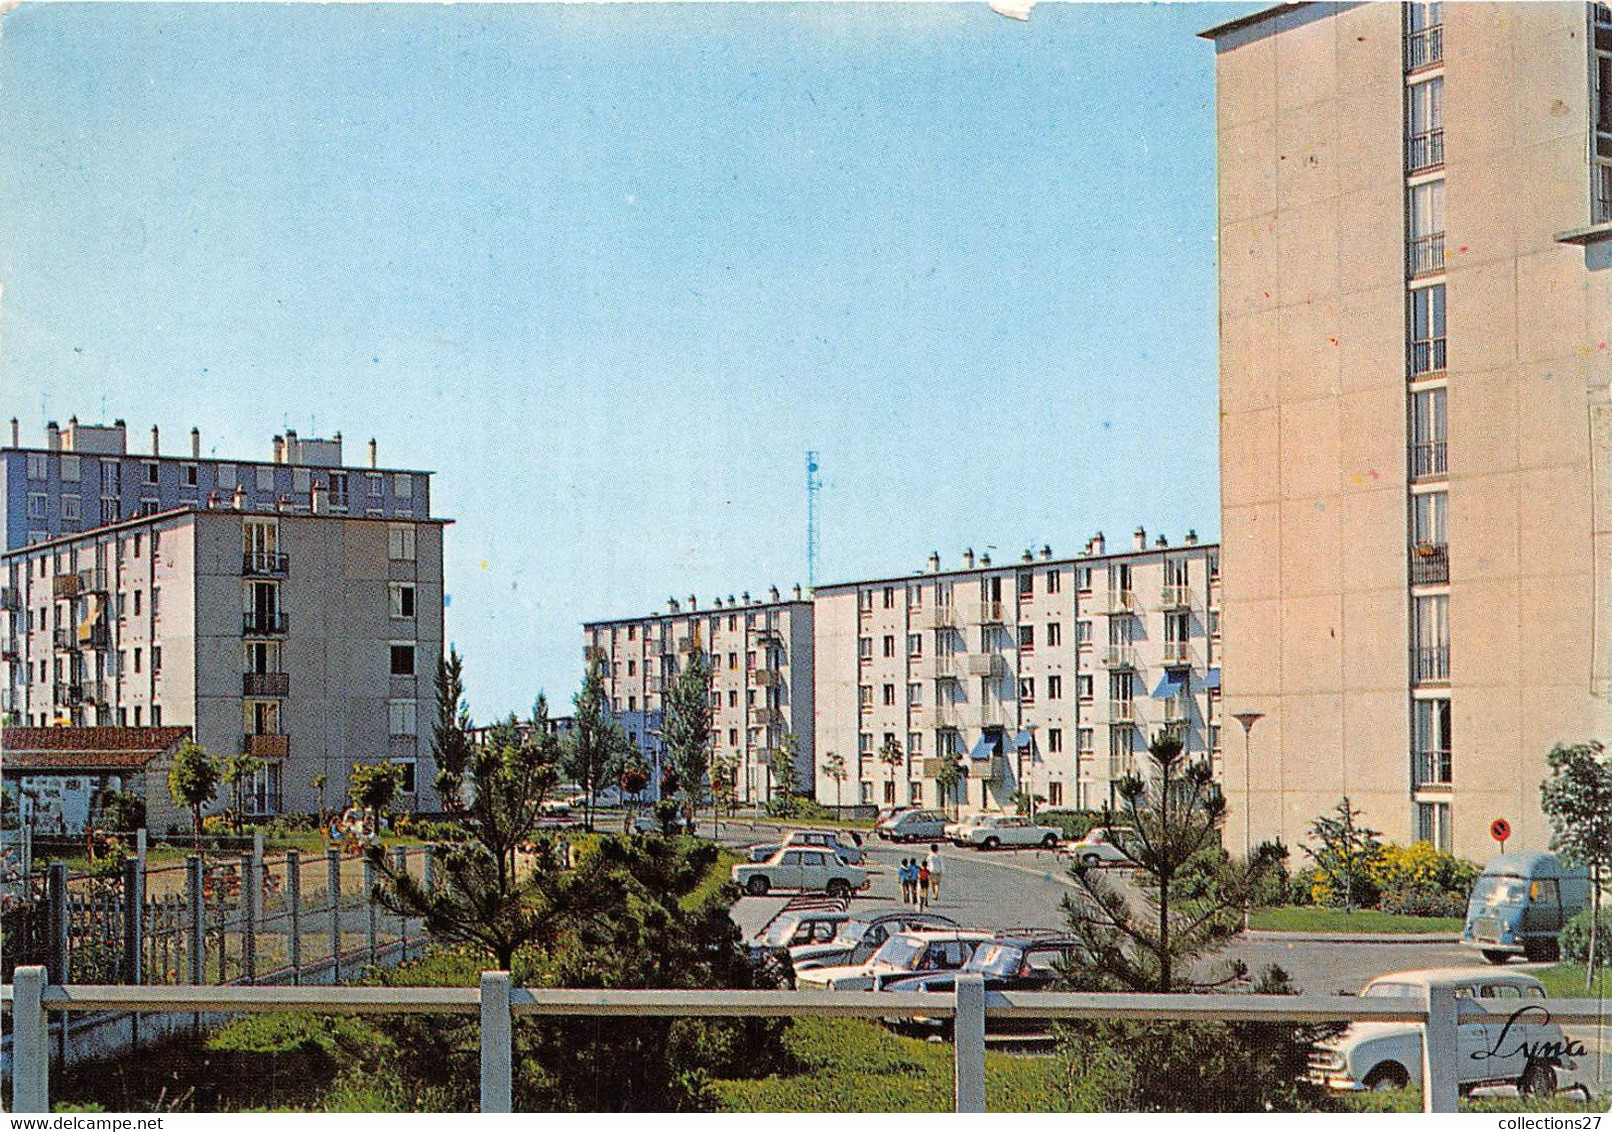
(1500, 829)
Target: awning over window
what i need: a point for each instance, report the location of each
(1213, 679)
(1169, 686)
(1023, 741)
(983, 749)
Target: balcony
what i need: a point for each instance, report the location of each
(92, 635)
(985, 664)
(689, 645)
(941, 717)
(1429, 564)
(990, 769)
(265, 684)
(1426, 356)
(65, 639)
(766, 717)
(264, 564)
(1177, 709)
(1430, 664)
(943, 617)
(1122, 712)
(766, 677)
(1121, 601)
(65, 585)
(1424, 48)
(9, 650)
(990, 613)
(1601, 192)
(1177, 654)
(10, 599)
(266, 746)
(766, 631)
(1431, 770)
(946, 667)
(1119, 657)
(263, 623)
(92, 581)
(1175, 597)
(1424, 151)
(1425, 255)
(593, 654)
(1428, 461)
(67, 694)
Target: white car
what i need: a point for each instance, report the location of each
(806, 870)
(904, 954)
(1099, 847)
(843, 845)
(996, 830)
(1500, 1017)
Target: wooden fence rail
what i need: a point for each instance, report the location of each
(499, 1004)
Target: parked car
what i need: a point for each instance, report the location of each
(992, 831)
(1493, 1027)
(856, 942)
(843, 845)
(806, 870)
(1520, 904)
(1027, 960)
(801, 928)
(913, 825)
(1100, 846)
(555, 808)
(904, 953)
(649, 823)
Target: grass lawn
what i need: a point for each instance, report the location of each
(1566, 980)
(1309, 919)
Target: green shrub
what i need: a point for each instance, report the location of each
(1422, 900)
(1575, 938)
(1420, 865)
(794, 807)
(1075, 824)
(439, 831)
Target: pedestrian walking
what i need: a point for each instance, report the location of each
(908, 880)
(923, 886)
(935, 867)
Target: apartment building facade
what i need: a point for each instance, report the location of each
(1043, 678)
(761, 655)
(305, 637)
(1415, 240)
(85, 477)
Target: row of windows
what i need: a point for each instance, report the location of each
(1120, 579)
(226, 477)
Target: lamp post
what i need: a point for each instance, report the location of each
(1247, 719)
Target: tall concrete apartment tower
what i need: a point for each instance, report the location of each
(1415, 315)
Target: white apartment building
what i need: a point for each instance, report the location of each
(1044, 678)
(762, 680)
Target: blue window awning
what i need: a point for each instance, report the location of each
(1023, 741)
(1169, 686)
(983, 749)
(1213, 680)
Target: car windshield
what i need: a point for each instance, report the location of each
(995, 959)
(782, 930)
(1393, 990)
(900, 951)
(1494, 891)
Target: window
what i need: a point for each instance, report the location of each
(1054, 687)
(1084, 741)
(1427, 349)
(1428, 434)
(889, 695)
(864, 648)
(38, 466)
(1054, 794)
(1026, 585)
(152, 472)
(889, 597)
(137, 722)
(265, 478)
(864, 600)
(403, 485)
(1424, 125)
(733, 662)
(889, 645)
(69, 469)
(915, 793)
(224, 477)
(864, 742)
(188, 475)
(400, 542)
(111, 477)
(402, 659)
(1083, 687)
(915, 644)
(632, 668)
(401, 717)
(407, 766)
(1027, 689)
(915, 742)
(1426, 248)
(733, 697)
(867, 793)
(1083, 579)
(70, 508)
(1429, 558)
(1054, 740)
(376, 483)
(733, 736)
(1432, 738)
(1601, 102)
(1433, 824)
(915, 695)
(156, 659)
(338, 489)
(1431, 633)
(137, 603)
(1027, 638)
(1054, 634)
(36, 504)
(1083, 632)
(864, 695)
(1424, 34)
(1054, 581)
(137, 660)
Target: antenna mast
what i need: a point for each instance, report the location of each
(814, 484)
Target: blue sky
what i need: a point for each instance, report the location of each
(610, 271)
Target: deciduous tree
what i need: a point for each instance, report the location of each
(597, 746)
(1344, 851)
(1577, 797)
(193, 780)
(834, 767)
(687, 730)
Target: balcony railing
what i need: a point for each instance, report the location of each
(1431, 664)
(943, 617)
(1122, 711)
(266, 684)
(93, 635)
(1425, 255)
(1601, 194)
(69, 693)
(265, 564)
(10, 599)
(1177, 654)
(990, 613)
(940, 716)
(946, 667)
(1119, 657)
(266, 746)
(1177, 709)
(1428, 460)
(1429, 564)
(766, 677)
(92, 580)
(766, 717)
(65, 585)
(1432, 770)
(64, 639)
(1424, 48)
(1426, 356)
(765, 631)
(263, 623)
(1424, 151)
(654, 647)
(1175, 597)
(1121, 601)
(985, 664)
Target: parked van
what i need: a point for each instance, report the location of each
(1520, 903)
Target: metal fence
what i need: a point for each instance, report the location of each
(499, 1005)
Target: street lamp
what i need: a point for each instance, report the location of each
(1247, 719)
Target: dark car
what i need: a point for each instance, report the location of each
(1028, 961)
(860, 937)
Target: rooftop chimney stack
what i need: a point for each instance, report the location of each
(798, 592)
(374, 460)
(968, 558)
(985, 559)
(291, 446)
(1027, 557)
(772, 593)
(1141, 538)
(746, 597)
(279, 449)
(934, 561)
(16, 434)
(1191, 539)
(156, 445)
(53, 437)
(693, 603)
(1046, 553)
(1098, 543)
(671, 605)
(195, 443)
(1161, 541)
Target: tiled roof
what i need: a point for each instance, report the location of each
(84, 748)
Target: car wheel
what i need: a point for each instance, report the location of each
(1497, 957)
(991, 843)
(838, 887)
(757, 886)
(1388, 1075)
(1538, 1080)
(1050, 841)
(1091, 860)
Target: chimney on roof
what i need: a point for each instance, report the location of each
(1027, 557)
(72, 421)
(746, 597)
(797, 591)
(156, 445)
(934, 561)
(53, 437)
(671, 605)
(772, 593)
(16, 433)
(291, 446)
(1098, 543)
(195, 443)
(1140, 537)
(693, 603)
(968, 558)
(1046, 553)
(238, 500)
(1161, 541)
(374, 460)
(1191, 539)
(279, 449)
(985, 559)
